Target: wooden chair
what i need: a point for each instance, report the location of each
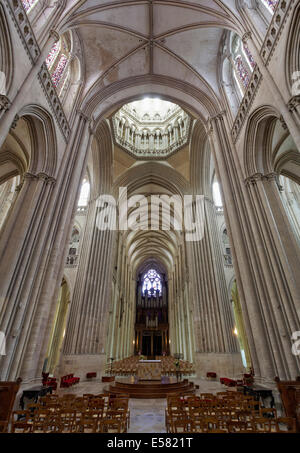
(3, 426)
(8, 392)
(20, 422)
(88, 424)
(240, 427)
(111, 426)
(263, 425)
(171, 416)
(290, 396)
(181, 425)
(286, 425)
(121, 415)
(268, 412)
(68, 420)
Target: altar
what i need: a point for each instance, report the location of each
(149, 370)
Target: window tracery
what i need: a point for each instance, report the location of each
(57, 63)
(270, 4)
(52, 55)
(249, 56)
(151, 282)
(57, 74)
(241, 71)
(29, 4)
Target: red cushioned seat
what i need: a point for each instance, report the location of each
(228, 382)
(91, 375)
(211, 374)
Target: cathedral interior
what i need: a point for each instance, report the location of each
(111, 103)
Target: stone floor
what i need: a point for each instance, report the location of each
(146, 415)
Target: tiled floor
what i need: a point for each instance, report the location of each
(146, 415)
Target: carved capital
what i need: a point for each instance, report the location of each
(28, 175)
(209, 127)
(246, 37)
(44, 177)
(83, 115)
(273, 176)
(19, 187)
(252, 180)
(283, 123)
(294, 103)
(218, 116)
(4, 103)
(54, 34)
(15, 121)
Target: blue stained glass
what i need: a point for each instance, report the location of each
(152, 282)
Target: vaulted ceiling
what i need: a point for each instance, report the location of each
(157, 40)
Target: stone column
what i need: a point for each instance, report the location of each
(56, 233)
(21, 248)
(261, 260)
(279, 259)
(86, 331)
(214, 319)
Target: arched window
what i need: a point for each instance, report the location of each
(59, 70)
(151, 282)
(53, 54)
(217, 194)
(238, 65)
(241, 70)
(243, 63)
(84, 193)
(57, 63)
(270, 4)
(248, 55)
(29, 4)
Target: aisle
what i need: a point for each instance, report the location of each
(147, 415)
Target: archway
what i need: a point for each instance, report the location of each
(152, 324)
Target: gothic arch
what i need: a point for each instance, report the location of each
(43, 137)
(152, 172)
(104, 102)
(258, 149)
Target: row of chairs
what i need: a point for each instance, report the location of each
(129, 365)
(224, 412)
(70, 414)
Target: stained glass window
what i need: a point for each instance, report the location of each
(241, 71)
(57, 74)
(152, 282)
(270, 4)
(28, 4)
(249, 55)
(52, 54)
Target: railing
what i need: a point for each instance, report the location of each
(81, 210)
